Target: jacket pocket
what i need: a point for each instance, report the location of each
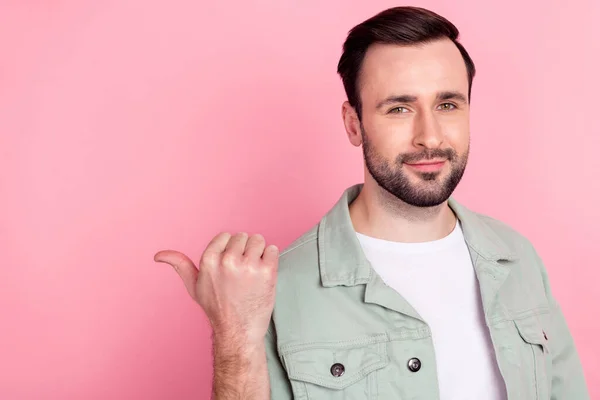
(532, 331)
(336, 369)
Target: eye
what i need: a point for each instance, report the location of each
(398, 110)
(447, 106)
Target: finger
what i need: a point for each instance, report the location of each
(183, 266)
(255, 247)
(237, 244)
(271, 256)
(213, 252)
(218, 243)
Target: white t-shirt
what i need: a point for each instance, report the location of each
(437, 278)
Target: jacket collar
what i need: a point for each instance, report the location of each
(342, 261)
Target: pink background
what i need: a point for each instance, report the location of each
(132, 126)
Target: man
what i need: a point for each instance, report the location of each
(399, 292)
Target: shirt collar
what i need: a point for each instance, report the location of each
(341, 258)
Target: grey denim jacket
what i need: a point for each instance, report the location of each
(334, 314)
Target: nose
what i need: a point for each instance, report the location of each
(427, 131)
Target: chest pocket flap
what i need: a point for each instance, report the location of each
(531, 331)
(335, 364)
(538, 360)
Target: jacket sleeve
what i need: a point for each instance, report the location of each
(568, 380)
(278, 380)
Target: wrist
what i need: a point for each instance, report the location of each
(240, 368)
(237, 344)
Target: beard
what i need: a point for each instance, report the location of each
(430, 190)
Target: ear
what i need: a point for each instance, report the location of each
(352, 124)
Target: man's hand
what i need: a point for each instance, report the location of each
(234, 284)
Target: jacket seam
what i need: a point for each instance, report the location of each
(310, 238)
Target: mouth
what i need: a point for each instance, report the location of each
(427, 166)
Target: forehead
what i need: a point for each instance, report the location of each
(420, 70)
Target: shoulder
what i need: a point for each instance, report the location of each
(509, 234)
(307, 239)
(497, 231)
(300, 256)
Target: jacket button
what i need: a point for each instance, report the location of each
(337, 370)
(414, 364)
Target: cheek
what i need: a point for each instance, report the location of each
(390, 137)
(457, 134)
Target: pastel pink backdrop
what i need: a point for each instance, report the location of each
(132, 126)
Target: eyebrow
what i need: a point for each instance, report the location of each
(451, 95)
(407, 98)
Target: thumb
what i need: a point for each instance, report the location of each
(183, 266)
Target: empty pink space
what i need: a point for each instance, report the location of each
(131, 126)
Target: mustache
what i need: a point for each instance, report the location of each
(428, 154)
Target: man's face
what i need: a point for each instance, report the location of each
(415, 120)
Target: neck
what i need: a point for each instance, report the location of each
(378, 213)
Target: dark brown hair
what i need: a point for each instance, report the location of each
(398, 25)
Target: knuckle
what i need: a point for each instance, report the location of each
(211, 258)
(267, 268)
(230, 260)
(250, 262)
